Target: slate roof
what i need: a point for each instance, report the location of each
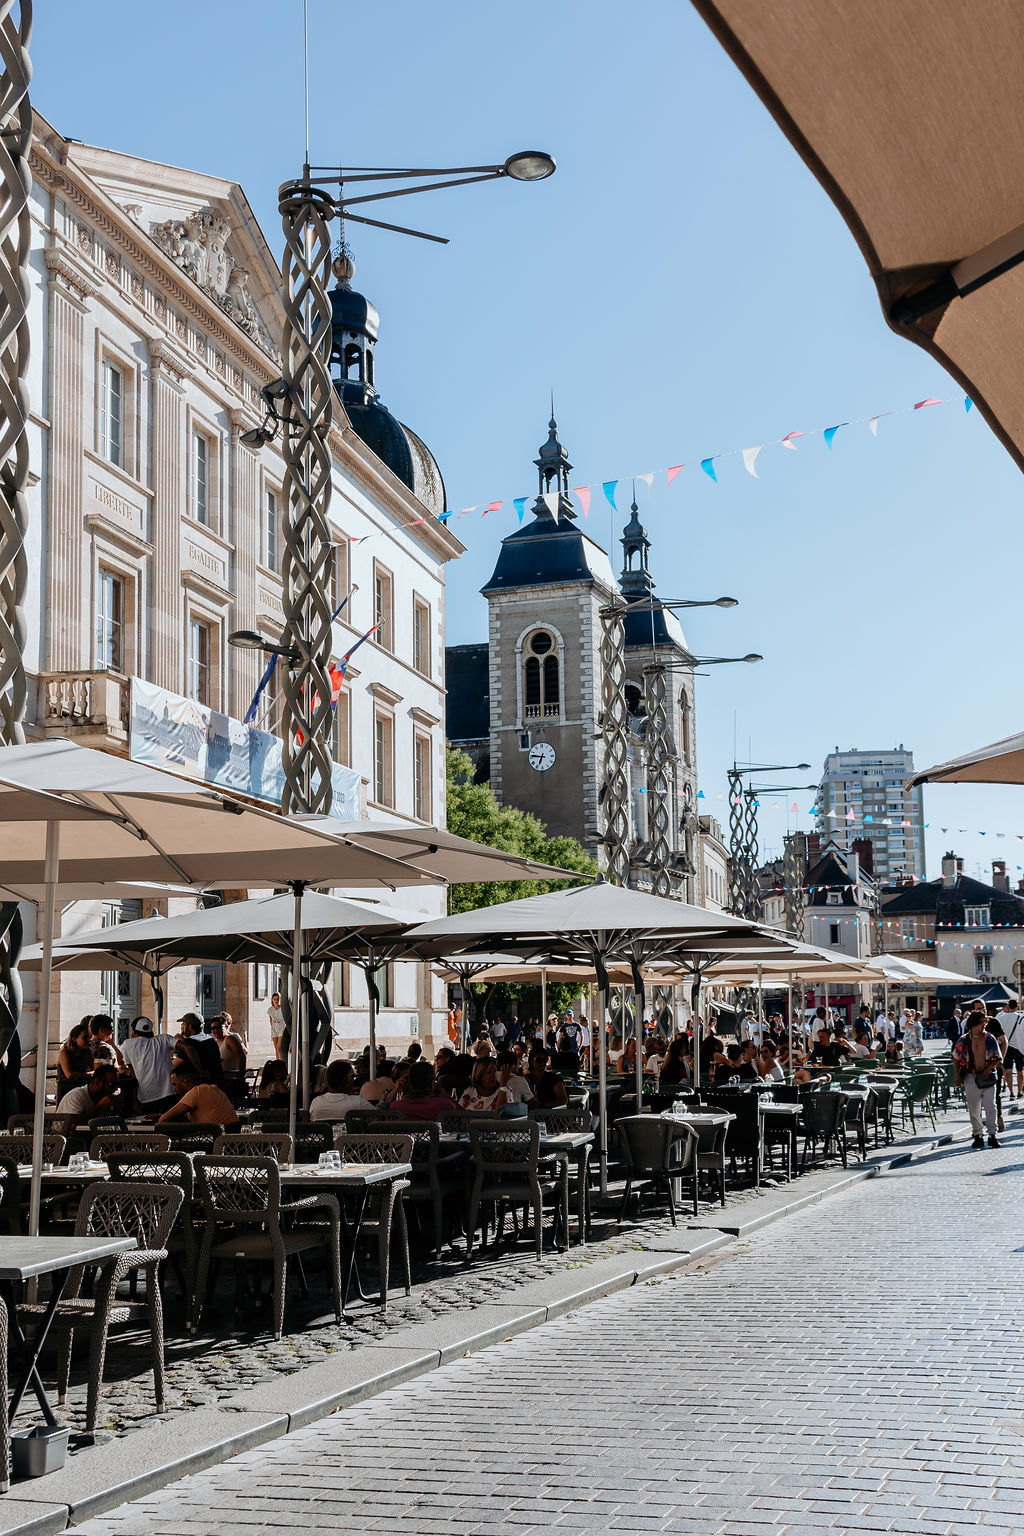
(930, 898)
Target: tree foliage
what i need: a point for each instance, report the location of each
(474, 812)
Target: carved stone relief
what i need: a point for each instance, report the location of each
(198, 245)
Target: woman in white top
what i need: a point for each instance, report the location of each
(484, 1091)
(275, 1013)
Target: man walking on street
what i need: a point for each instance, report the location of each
(977, 1061)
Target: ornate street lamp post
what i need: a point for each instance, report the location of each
(744, 898)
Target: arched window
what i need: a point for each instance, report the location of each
(685, 743)
(542, 695)
(353, 362)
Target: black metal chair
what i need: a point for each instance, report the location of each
(277, 1145)
(743, 1141)
(438, 1172)
(655, 1152)
(824, 1121)
(507, 1170)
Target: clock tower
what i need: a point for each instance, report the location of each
(544, 600)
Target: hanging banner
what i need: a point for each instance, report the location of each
(177, 734)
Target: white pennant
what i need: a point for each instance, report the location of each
(467, 510)
(873, 424)
(750, 459)
(649, 479)
(551, 502)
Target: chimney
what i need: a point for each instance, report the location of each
(813, 846)
(951, 867)
(864, 848)
(853, 867)
(1000, 879)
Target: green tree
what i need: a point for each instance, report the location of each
(474, 812)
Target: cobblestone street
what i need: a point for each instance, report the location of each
(853, 1368)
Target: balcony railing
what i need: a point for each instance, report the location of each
(86, 703)
(542, 711)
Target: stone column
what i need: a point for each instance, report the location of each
(246, 534)
(67, 595)
(168, 368)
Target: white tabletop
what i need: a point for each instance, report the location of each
(355, 1175)
(23, 1257)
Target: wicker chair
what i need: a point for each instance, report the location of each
(656, 1152)
(112, 1125)
(182, 1244)
(556, 1122)
(386, 1204)
(54, 1124)
(10, 1205)
(312, 1139)
(255, 1144)
(189, 1137)
(141, 1211)
(19, 1148)
(506, 1162)
(437, 1172)
(244, 1194)
(103, 1147)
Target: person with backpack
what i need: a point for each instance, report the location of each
(1013, 1056)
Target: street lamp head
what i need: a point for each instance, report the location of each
(802, 767)
(529, 165)
(246, 639)
(752, 656)
(725, 602)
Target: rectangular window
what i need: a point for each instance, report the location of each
(198, 669)
(383, 607)
(343, 729)
(982, 963)
(382, 976)
(341, 579)
(383, 760)
(110, 622)
(201, 478)
(833, 933)
(339, 984)
(421, 777)
(270, 532)
(977, 917)
(421, 636)
(112, 414)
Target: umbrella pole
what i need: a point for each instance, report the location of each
(639, 999)
(544, 1004)
(760, 997)
(372, 994)
(296, 1009)
(50, 876)
(697, 1027)
(602, 1090)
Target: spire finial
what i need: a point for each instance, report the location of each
(552, 423)
(634, 508)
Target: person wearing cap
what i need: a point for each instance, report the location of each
(200, 1048)
(148, 1055)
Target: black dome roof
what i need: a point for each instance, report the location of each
(546, 553)
(406, 455)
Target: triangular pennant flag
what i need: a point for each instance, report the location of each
(708, 466)
(849, 816)
(789, 441)
(648, 478)
(700, 794)
(794, 806)
(674, 470)
(550, 499)
(583, 492)
(492, 506)
(442, 519)
(519, 502)
(930, 401)
(466, 511)
(609, 493)
(968, 402)
(830, 433)
(750, 459)
(873, 424)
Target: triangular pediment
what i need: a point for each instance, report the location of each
(204, 226)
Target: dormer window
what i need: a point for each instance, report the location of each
(834, 898)
(978, 917)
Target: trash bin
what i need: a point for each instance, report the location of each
(39, 1450)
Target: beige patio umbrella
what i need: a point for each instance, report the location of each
(1000, 763)
(909, 115)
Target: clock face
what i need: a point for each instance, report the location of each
(542, 756)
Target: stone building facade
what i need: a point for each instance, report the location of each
(155, 525)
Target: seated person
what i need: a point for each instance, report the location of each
(273, 1090)
(376, 1090)
(97, 1097)
(516, 1086)
(677, 1064)
(101, 1036)
(548, 1088)
(627, 1061)
(232, 1051)
(740, 1062)
(893, 1053)
(340, 1094)
(861, 1050)
(444, 1069)
(802, 1076)
(771, 1071)
(422, 1098)
(201, 1103)
(828, 1052)
(485, 1093)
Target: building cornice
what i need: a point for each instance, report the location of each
(67, 272)
(169, 359)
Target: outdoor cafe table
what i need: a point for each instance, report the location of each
(355, 1178)
(700, 1119)
(25, 1258)
(567, 1144)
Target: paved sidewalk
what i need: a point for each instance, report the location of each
(853, 1368)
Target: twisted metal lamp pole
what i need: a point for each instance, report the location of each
(15, 239)
(614, 730)
(660, 753)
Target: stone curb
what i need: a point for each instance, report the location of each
(122, 1470)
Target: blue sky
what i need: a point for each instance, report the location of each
(683, 285)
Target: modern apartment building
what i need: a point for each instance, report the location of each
(864, 794)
